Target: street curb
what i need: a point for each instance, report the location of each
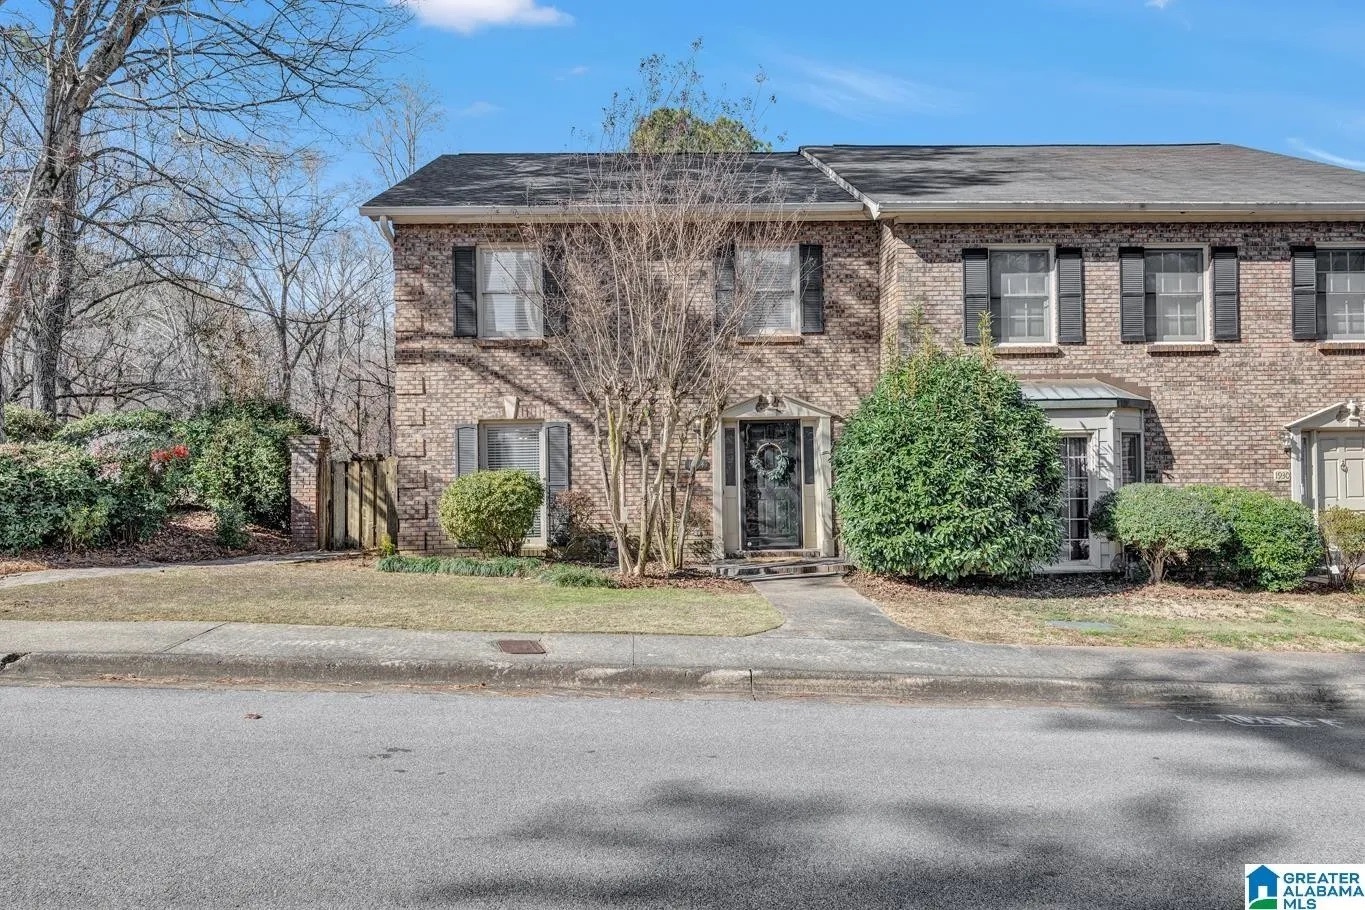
(57, 667)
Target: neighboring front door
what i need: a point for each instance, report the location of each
(1343, 470)
(771, 508)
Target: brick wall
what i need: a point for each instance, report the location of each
(444, 381)
(1217, 414)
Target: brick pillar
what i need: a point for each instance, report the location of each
(307, 489)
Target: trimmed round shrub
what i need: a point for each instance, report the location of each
(27, 425)
(1275, 542)
(945, 471)
(491, 511)
(1161, 523)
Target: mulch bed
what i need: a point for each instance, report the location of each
(696, 581)
(187, 537)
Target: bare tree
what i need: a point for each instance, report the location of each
(220, 78)
(398, 136)
(649, 307)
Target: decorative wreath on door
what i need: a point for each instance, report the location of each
(770, 463)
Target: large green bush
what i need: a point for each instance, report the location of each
(27, 425)
(1274, 542)
(491, 511)
(1161, 523)
(241, 455)
(945, 471)
(1345, 533)
(119, 488)
(50, 494)
(146, 423)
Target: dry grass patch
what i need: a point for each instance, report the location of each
(1167, 616)
(352, 593)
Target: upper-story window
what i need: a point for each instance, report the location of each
(511, 300)
(1341, 281)
(1021, 285)
(772, 280)
(1175, 295)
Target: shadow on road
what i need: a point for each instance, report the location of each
(692, 846)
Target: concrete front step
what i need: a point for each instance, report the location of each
(805, 568)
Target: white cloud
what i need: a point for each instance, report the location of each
(468, 16)
(478, 109)
(1300, 146)
(858, 92)
(579, 70)
(1158, 4)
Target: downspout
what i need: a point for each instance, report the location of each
(385, 228)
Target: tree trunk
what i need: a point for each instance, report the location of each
(55, 309)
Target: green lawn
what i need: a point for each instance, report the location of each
(1170, 616)
(348, 593)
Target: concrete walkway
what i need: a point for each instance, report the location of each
(827, 608)
(753, 666)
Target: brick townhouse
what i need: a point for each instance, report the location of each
(1182, 313)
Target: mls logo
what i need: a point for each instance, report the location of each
(1263, 889)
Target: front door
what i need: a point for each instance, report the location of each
(771, 508)
(1343, 470)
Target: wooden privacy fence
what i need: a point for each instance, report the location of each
(359, 502)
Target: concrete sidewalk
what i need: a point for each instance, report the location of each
(756, 666)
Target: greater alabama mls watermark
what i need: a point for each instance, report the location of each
(1305, 886)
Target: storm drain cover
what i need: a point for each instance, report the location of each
(1082, 626)
(520, 646)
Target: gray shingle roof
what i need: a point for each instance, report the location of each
(559, 178)
(1074, 175)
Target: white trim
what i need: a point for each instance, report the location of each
(1093, 492)
(794, 328)
(817, 505)
(1053, 325)
(1336, 246)
(1206, 288)
(536, 278)
(477, 214)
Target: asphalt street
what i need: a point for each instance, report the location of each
(126, 797)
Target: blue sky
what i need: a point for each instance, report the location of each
(520, 75)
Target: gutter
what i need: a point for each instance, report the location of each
(409, 214)
(1222, 210)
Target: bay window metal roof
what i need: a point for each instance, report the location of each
(1077, 394)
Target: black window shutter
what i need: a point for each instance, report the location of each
(1306, 302)
(466, 449)
(1132, 294)
(1226, 319)
(725, 284)
(553, 293)
(556, 457)
(808, 455)
(1070, 297)
(812, 288)
(466, 293)
(730, 454)
(976, 293)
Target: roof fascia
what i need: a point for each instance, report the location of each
(435, 214)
